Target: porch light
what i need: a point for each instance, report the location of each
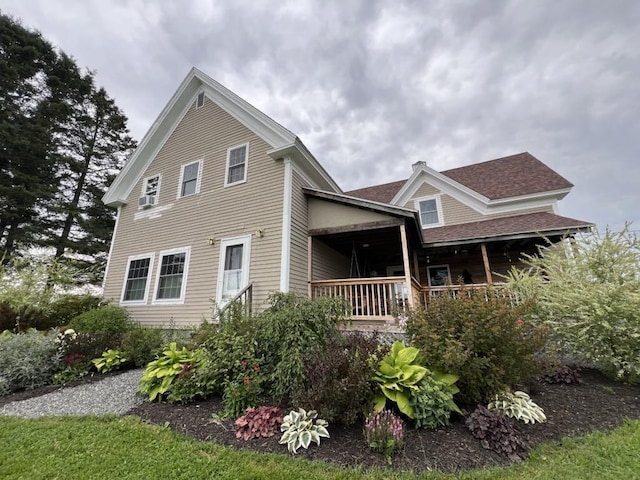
(212, 241)
(365, 245)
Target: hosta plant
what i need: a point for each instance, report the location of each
(301, 428)
(159, 374)
(497, 432)
(109, 361)
(397, 377)
(518, 405)
(384, 433)
(259, 422)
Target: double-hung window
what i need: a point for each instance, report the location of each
(237, 165)
(190, 179)
(430, 211)
(172, 276)
(136, 283)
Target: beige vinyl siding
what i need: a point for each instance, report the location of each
(455, 212)
(325, 214)
(299, 220)
(217, 212)
(328, 263)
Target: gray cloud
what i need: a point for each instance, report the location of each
(373, 86)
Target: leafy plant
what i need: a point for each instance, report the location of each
(384, 433)
(338, 377)
(259, 422)
(562, 374)
(432, 401)
(67, 307)
(497, 432)
(244, 391)
(397, 376)
(301, 428)
(27, 360)
(108, 321)
(518, 405)
(481, 337)
(159, 374)
(588, 295)
(109, 361)
(140, 345)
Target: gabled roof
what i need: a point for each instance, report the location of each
(506, 177)
(282, 141)
(531, 224)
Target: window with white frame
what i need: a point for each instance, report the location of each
(200, 100)
(172, 276)
(430, 211)
(233, 271)
(136, 283)
(439, 275)
(151, 186)
(190, 179)
(237, 165)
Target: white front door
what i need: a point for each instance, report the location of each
(233, 270)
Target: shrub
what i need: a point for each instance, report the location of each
(290, 329)
(589, 298)
(384, 433)
(497, 432)
(518, 405)
(259, 422)
(108, 321)
(74, 344)
(480, 337)
(27, 360)
(338, 378)
(159, 375)
(67, 307)
(301, 428)
(140, 345)
(432, 401)
(562, 374)
(7, 317)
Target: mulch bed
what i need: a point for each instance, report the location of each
(597, 404)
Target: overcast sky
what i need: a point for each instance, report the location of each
(372, 87)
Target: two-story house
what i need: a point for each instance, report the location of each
(219, 199)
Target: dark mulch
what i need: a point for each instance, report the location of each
(597, 404)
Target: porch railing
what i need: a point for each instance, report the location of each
(455, 291)
(380, 298)
(240, 303)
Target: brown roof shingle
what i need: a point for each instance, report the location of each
(518, 224)
(512, 176)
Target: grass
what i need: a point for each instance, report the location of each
(112, 447)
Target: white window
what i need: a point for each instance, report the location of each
(200, 100)
(439, 275)
(233, 271)
(136, 281)
(237, 165)
(430, 211)
(151, 189)
(171, 278)
(190, 179)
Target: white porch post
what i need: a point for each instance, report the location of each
(405, 262)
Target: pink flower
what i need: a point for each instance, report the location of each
(520, 321)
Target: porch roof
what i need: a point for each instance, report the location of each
(517, 226)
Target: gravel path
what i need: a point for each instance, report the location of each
(114, 395)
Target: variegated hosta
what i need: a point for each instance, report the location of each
(301, 428)
(518, 405)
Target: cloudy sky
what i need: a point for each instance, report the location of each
(371, 87)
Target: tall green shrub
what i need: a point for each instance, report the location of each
(480, 337)
(589, 294)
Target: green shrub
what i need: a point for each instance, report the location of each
(109, 320)
(480, 337)
(588, 295)
(66, 307)
(27, 360)
(140, 345)
(7, 317)
(432, 401)
(291, 329)
(338, 378)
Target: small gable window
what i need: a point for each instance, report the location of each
(430, 211)
(200, 100)
(150, 192)
(237, 165)
(190, 179)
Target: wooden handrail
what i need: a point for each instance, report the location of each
(244, 296)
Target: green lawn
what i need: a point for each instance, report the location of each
(110, 447)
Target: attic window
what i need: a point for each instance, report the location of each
(200, 100)
(430, 211)
(237, 165)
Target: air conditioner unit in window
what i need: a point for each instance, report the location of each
(147, 201)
